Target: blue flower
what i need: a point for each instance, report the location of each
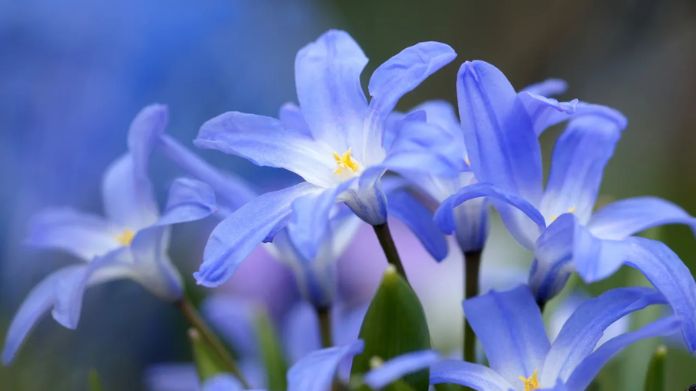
(501, 129)
(316, 276)
(129, 242)
(470, 218)
(520, 355)
(334, 141)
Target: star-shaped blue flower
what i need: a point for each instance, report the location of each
(333, 140)
(130, 242)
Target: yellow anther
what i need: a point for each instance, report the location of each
(125, 237)
(572, 209)
(530, 383)
(467, 161)
(346, 162)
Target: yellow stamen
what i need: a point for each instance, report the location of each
(125, 237)
(346, 162)
(530, 383)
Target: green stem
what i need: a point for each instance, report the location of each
(196, 321)
(387, 242)
(324, 314)
(472, 267)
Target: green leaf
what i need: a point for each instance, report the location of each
(271, 353)
(208, 364)
(655, 378)
(394, 324)
(94, 381)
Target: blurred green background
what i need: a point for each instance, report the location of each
(73, 73)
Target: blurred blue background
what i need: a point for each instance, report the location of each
(73, 74)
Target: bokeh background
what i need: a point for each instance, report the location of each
(73, 74)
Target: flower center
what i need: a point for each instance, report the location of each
(345, 163)
(125, 237)
(530, 383)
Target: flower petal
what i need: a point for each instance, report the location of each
(577, 166)
(367, 200)
(84, 235)
(327, 75)
(668, 274)
(423, 148)
(39, 301)
(419, 220)
(309, 224)
(292, 118)
(553, 254)
(511, 330)
(548, 87)
(232, 192)
(189, 200)
(623, 218)
(545, 112)
(265, 142)
(62, 292)
(588, 369)
(128, 195)
(499, 136)
(316, 371)
(143, 135)
(404, 72)
(522, 219)
(595, 259)
(153, 267)
(476, 376)
(400, 366)
(236, 236)
(585, 327)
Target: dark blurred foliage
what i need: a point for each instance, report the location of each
(73, 74)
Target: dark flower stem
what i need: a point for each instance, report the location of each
(196, 321)
(387, 242)
(472, 267)
(324, 314)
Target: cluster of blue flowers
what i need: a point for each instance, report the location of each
(359, 159)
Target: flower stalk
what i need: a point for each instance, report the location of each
(199, 324)
(472, 267)
(387, 242)
(324, 314)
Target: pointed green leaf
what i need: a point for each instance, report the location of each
(655, 378)
(394, 324)
(208, 364)
(271, 353)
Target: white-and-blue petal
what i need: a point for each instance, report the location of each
(577, 167)
(503, 148)
(236, 236)
(511, 330)
(333, 104)
(83, 235)
(476, 376)
(623, 218)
